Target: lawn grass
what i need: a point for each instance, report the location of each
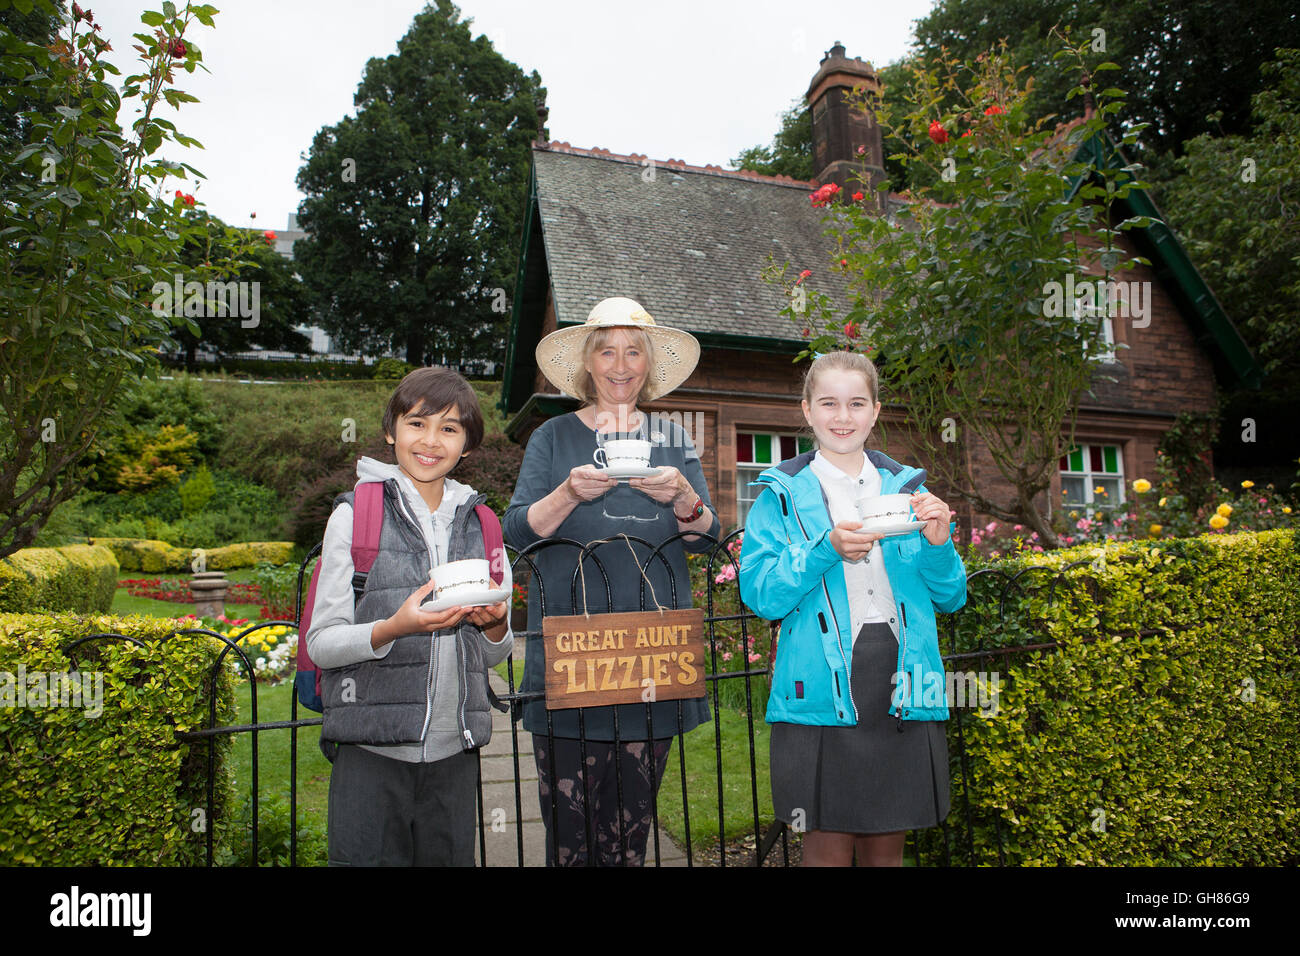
(702, 782)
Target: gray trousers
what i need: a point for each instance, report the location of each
(386, 812)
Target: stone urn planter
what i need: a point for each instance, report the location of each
(209, 589)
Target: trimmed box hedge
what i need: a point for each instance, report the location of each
(1162, 732)
(140, 554)
(74, 577)
(115, 787)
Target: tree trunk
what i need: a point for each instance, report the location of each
(415, 348)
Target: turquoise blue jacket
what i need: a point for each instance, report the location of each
(790, 571)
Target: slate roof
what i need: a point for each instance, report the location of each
(689, 245)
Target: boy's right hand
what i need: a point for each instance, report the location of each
(851, 543)
(409, 619)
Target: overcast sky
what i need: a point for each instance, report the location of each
(696, 81)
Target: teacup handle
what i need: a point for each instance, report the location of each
(598, 456)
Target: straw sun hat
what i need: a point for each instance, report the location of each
(559, 355)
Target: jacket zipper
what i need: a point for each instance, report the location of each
(902, 657)
(829, 605)
(433, 647)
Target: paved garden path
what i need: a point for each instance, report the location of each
(498, 765)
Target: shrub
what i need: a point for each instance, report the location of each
(391, 369)
(1168, 714)
(197, 492)
(157, 556)
(492, 470)
(273, 832)
(75, 577)
(148, 460)
(117, 787)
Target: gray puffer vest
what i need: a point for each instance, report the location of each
(386, 701)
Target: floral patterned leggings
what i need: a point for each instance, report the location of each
(565, 772)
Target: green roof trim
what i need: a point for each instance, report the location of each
(516, 307)
(1172, 264)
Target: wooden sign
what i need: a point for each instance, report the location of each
(625, 658)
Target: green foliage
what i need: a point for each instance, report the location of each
(1177, 60)
(75, 577)
(1169, 708)
(391, 369)
(304, 370)
(952, 292)
(273, 833)
(149, 405)
(197, 492)
(414, 205)
(109, 783)
(492, 470)
(86, 234)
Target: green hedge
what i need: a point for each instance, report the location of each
(109, 783)
(138, 554)
(75, 577)
(1175, 748)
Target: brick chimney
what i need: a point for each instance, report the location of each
(837, 130)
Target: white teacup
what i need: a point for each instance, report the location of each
(623, 453)
(883, 511)
(460, 577)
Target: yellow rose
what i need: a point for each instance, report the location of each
(1142, 486)
(1248, 484)
(1218, 521)
(1162, 502)
(1155, 530)
(1286, 510)
(1224, 509)
(1099, 490)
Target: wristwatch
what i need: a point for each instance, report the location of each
(696, 511)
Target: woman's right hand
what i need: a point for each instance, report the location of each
(409, 619)
(587, 483)
(851, 543)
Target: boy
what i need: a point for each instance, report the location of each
(405, 690)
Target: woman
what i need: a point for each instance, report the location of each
(618, 359)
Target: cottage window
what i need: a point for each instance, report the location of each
(755, 453)
(1088, 467)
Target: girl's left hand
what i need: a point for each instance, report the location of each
(936, 515)
(489, 616)
(665, 486)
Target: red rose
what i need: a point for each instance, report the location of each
(189, 199)
(179, 194)
(803, 275)
(965, 134)
(77, 13)
(994, 110)
(938, 133)
(851, 329)
(844, 262)
(806, 333)
(857, 197)
(270, 236)
(176, 47)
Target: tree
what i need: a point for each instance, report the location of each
(1235, 201)
(1179, 60)
(414, 205)
(263, 278)
(958, 296)
(85, 234)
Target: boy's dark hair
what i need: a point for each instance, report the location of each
(430, 390)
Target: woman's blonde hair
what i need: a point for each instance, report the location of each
(848, 361)
(597, 340)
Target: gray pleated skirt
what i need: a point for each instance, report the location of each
(868, 778)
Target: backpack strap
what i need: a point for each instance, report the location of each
(367, 522)
(493, 543)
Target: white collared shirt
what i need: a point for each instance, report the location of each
(871, 599)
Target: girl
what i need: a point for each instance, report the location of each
(405, 690)
(858, 753)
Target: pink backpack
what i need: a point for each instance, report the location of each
(367, 522)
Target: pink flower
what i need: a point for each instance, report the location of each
(803, 275)
(990, 527)
(1017, 527)
(1038, 547)
(754, 658)
(862, 150)
(1082, 524)
(728, 573)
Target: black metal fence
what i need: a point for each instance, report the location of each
(771, 841)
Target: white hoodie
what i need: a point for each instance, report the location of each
(336, 640)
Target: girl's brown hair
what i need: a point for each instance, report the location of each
(849, 361)
(429, 391)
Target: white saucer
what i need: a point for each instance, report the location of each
(480, 598)
(906, 526)
(623, 472)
